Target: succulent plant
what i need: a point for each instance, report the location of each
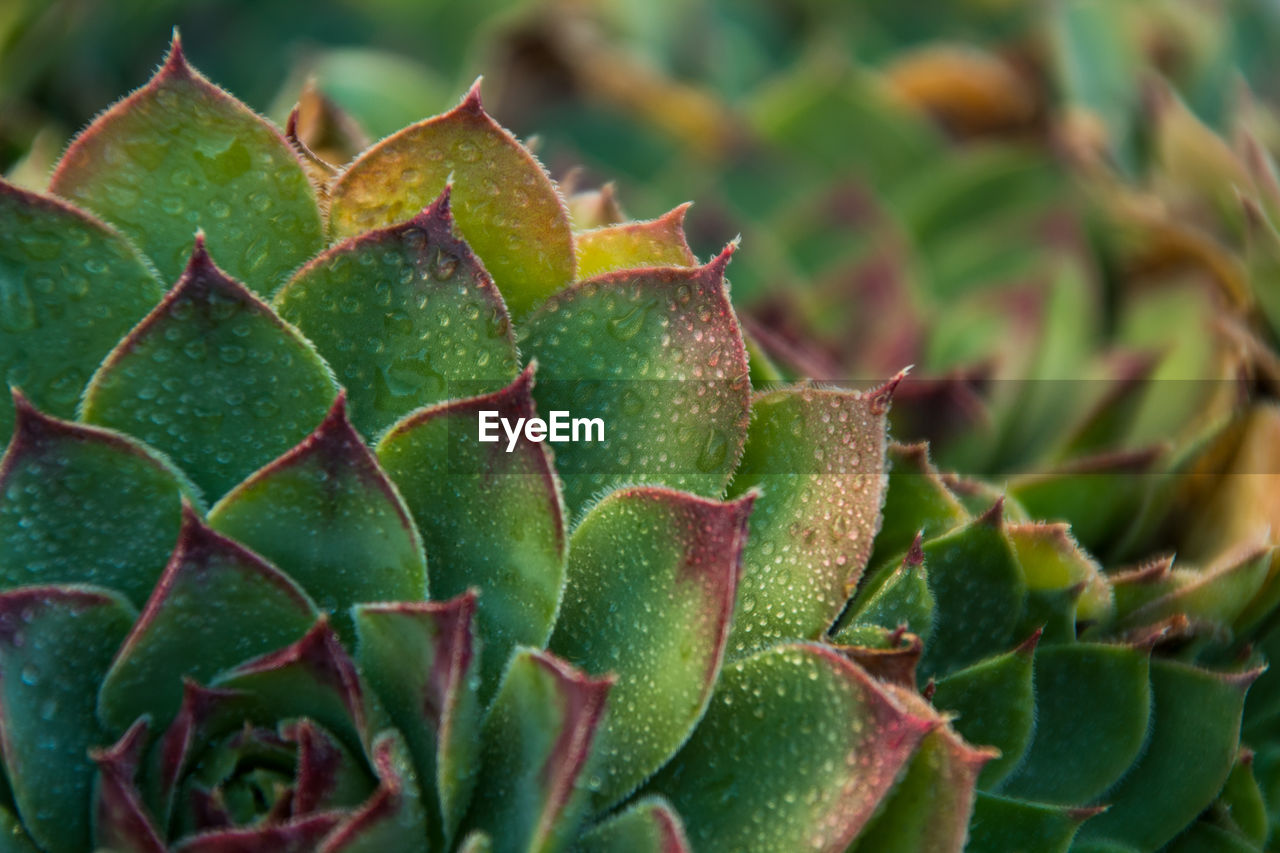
(264, 589)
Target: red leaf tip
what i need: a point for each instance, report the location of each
(915, 554)
(880, 398)
(471, 101)
(994, 517)
(440, 212)
(712, 272)
(1028, 646)
(175, 62)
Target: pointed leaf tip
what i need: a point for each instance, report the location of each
(1028, 646)
(882, 397)
(993, 517)
(471, 101)
(175, 61)
(441, 210)
(713, 270)
(915, 554)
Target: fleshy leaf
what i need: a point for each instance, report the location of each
(889, 656)
(536, 747)
(929, 807)
(327, 516)
(507, 208)
(979, 590)
(676, 560)
(212, 378)
(1188, 756)
(648, 826)
(394, 818)
(421, 660)
(401, 314)
(181, 154)
(489, 519)
(654, 243)
(994, 704)
(1099, 496)
(656, 355)
(120, 820)
(205, 715)
(902, 597)
(847, 740)
(312, 678)
(329, 776)
(1004, 825)
(1241, 806)
(1205, 837)
(1051, 560)
(126, 503)
(818, 456)
(14, 839)
(70, 287)
(1093, 704)
(55, 645)
(299, 835)
(916, 502)
(180, 634)
(1218, 593)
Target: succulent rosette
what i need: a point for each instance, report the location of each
(265, 589)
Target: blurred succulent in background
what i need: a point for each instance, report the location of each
(263, 589)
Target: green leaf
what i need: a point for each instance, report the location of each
(216, 604)
(402, 314)
(70, 287)
(675, 560)
(1241, 806)
(916, 502)
(13, 838)
(979, 593)
(1004, 825)
(1050, 563)
(55, 645)
(995, 704)
(649, 825)
(120, 821)
(180, 154)
(421, 660)
(326, 515)
(900, 598)
(329, 776)
(1194, 736)
(490, 519)
(536, 750)
(653, 243)
(929, 807)
(1093, 705)
(312, 678)
(818, 457)
(657, 356)
(212, 378)
(1207, 838)
(394, 818)
(1218, 593)
(507, 207)
(123, 502)
(847, 740)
